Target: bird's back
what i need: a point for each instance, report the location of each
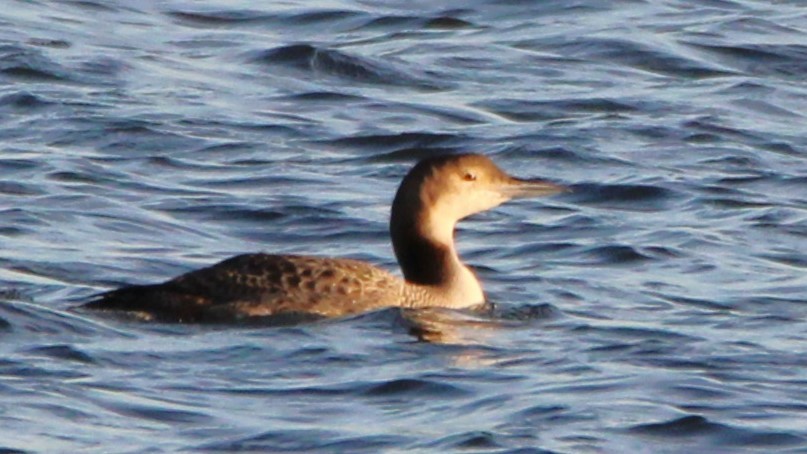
(260, 285)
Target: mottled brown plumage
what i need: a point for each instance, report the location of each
(433, 196)
(253, 285)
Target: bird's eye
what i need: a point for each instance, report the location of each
(469, 176)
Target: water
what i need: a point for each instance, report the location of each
(658, 308)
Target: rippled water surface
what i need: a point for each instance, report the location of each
(660, 307)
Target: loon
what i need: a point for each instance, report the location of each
(435, 194)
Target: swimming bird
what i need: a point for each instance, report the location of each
(435, 194)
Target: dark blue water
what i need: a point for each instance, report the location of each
(661, 307)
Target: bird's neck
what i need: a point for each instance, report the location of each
(424, 247)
